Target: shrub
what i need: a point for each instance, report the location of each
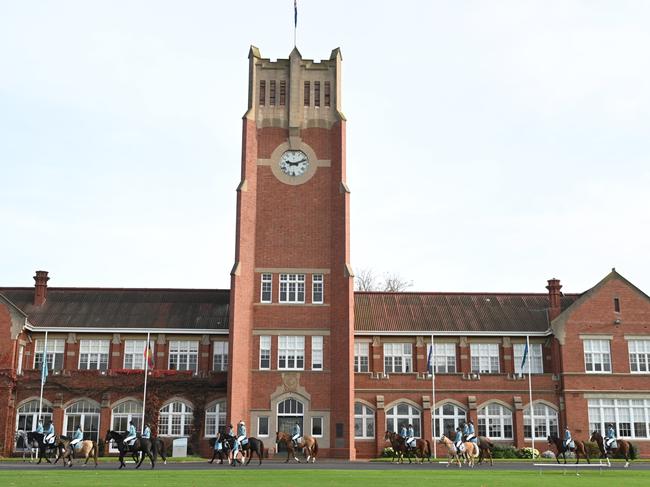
(504, 451)
(592, 449)
(528, 452)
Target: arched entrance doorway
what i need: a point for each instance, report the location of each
(290, 412)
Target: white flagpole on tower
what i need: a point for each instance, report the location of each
(433, 396)
(43, 376)
(530, 396)
(146, 372)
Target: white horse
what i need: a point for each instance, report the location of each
(33, 447)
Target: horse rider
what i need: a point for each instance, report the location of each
(403, 432)
(77, 438)
(49, 434)
(458, 439)
(235, 444)
(39, 428)
(610, 437)
(132, 434)
(410, 436)
(470, 432)
(146, 434)
(296, 434)
(241, 433)
(567, 438)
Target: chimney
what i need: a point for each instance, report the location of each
(554, 298)
(40, 288)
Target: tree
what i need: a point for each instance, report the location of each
(366, 280)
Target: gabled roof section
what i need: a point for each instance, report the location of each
(189, 309)
(453, 313)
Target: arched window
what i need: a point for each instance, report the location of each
(82, 413)
(124, 413)
(448, 417)
(403, 414)
(175, 419)
(364, 421)
(495, 421)
(545, 421)
(215, 418)
(290, 407)
(290, 412)
(27, 418)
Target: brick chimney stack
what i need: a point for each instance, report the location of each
(554, 298)
(40, 288)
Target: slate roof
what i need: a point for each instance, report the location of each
(453, 312)
(124, 308)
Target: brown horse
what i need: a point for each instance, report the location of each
(422, 447)
(87, 449)
(623, 448)
(485, 447)
(309, 446)
(579, 449)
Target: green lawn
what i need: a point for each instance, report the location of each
(410, 478)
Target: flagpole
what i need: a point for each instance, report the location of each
(43, 364)
(433, 397)
(146, 370)
(530, 397)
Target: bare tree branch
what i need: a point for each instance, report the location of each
(365, 280)
(394, 283)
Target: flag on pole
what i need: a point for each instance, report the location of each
(295, 13)
(523, 361)
(44, 371)
(430, 360)
(148, 354)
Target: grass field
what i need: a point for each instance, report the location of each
(182, 478)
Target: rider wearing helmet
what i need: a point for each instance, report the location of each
(131, 435)
(458, 439)
(49, 434)
(296, 434)
(147, 432)
(610, 436)
(470, 435)
(78, 436)
(410, 436)
(567, 438)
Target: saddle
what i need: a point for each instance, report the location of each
(244, 441)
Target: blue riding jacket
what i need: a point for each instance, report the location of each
(567, 435)
(296, 430)
(147, 432)
(78, 435)
(241, 430)
(610, 433)
(459, 437)
(132, 431)
(50, 430)
(410, 433)
(403, 431)
(39, 428)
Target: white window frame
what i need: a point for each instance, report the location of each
(134, 349)
(458, 415)
(361, 352)
(322, 426)
(444, 357)
(266, 288)
(28, 412)
(291, 352)
(96, 352)
(292, 288)
(317, 289)
(485, 358)
(365, 415)
(220, 356)
(166, 419)
(129, 410)
(639, 353)
(55, 354)
(265, 351)
(598, 356)
(187, 350)
(535, 355)
(494, 420)
(626, 415)
(215, 418)
(86, 410)
(317, 352)
(398, 358)
(545, 416)
(398, 417)
(259, 431)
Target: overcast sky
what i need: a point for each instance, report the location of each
(492, 145)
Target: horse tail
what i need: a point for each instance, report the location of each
(315, 448)
(95, 448)
(261, 452)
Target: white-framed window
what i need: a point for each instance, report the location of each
(402, 415)
(267, 288)
(134, 354)
(215, 418)
(93, 354)
(449, 416)
(317, 288)
(535, 355)
(630, 417)
(317, 353)
(485, 358)
(27, 419)
(291, 352)
(175, 419)
(398, 357)
(265, 352)
(219, 356)
(444, 357)
(263, 426)
(495, 421)
(55, 354)
(361, 356)
(545, 421)
(123, 414)
(292, 288)
(183, 355)
(639, 351)
(597, 356)
(317, 426)
(364, 421)
(85, 414)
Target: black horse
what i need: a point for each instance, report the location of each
(223, 452)
(144, 445)
(44, 449)
(252, 446)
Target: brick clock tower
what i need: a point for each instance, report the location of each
(292, 297)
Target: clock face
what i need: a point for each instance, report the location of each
(294, 163)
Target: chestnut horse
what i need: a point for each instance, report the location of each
(309, 446)
(623, 448)
(87, 449)
(422, 447)
(562, 449)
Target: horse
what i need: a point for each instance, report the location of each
(32, 447)
(44, 448)
(223, 452)
(256, 446)
(623, 448)
(471, 452)
(422, 447)
(562, 449)
(485, 447)
(309, 446)
(144, 445)
(452, 451)
(86, 448)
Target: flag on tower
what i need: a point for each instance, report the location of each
(430, 360)
(148, 355)
(44, 371)
(523, 361)
(295, 13)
